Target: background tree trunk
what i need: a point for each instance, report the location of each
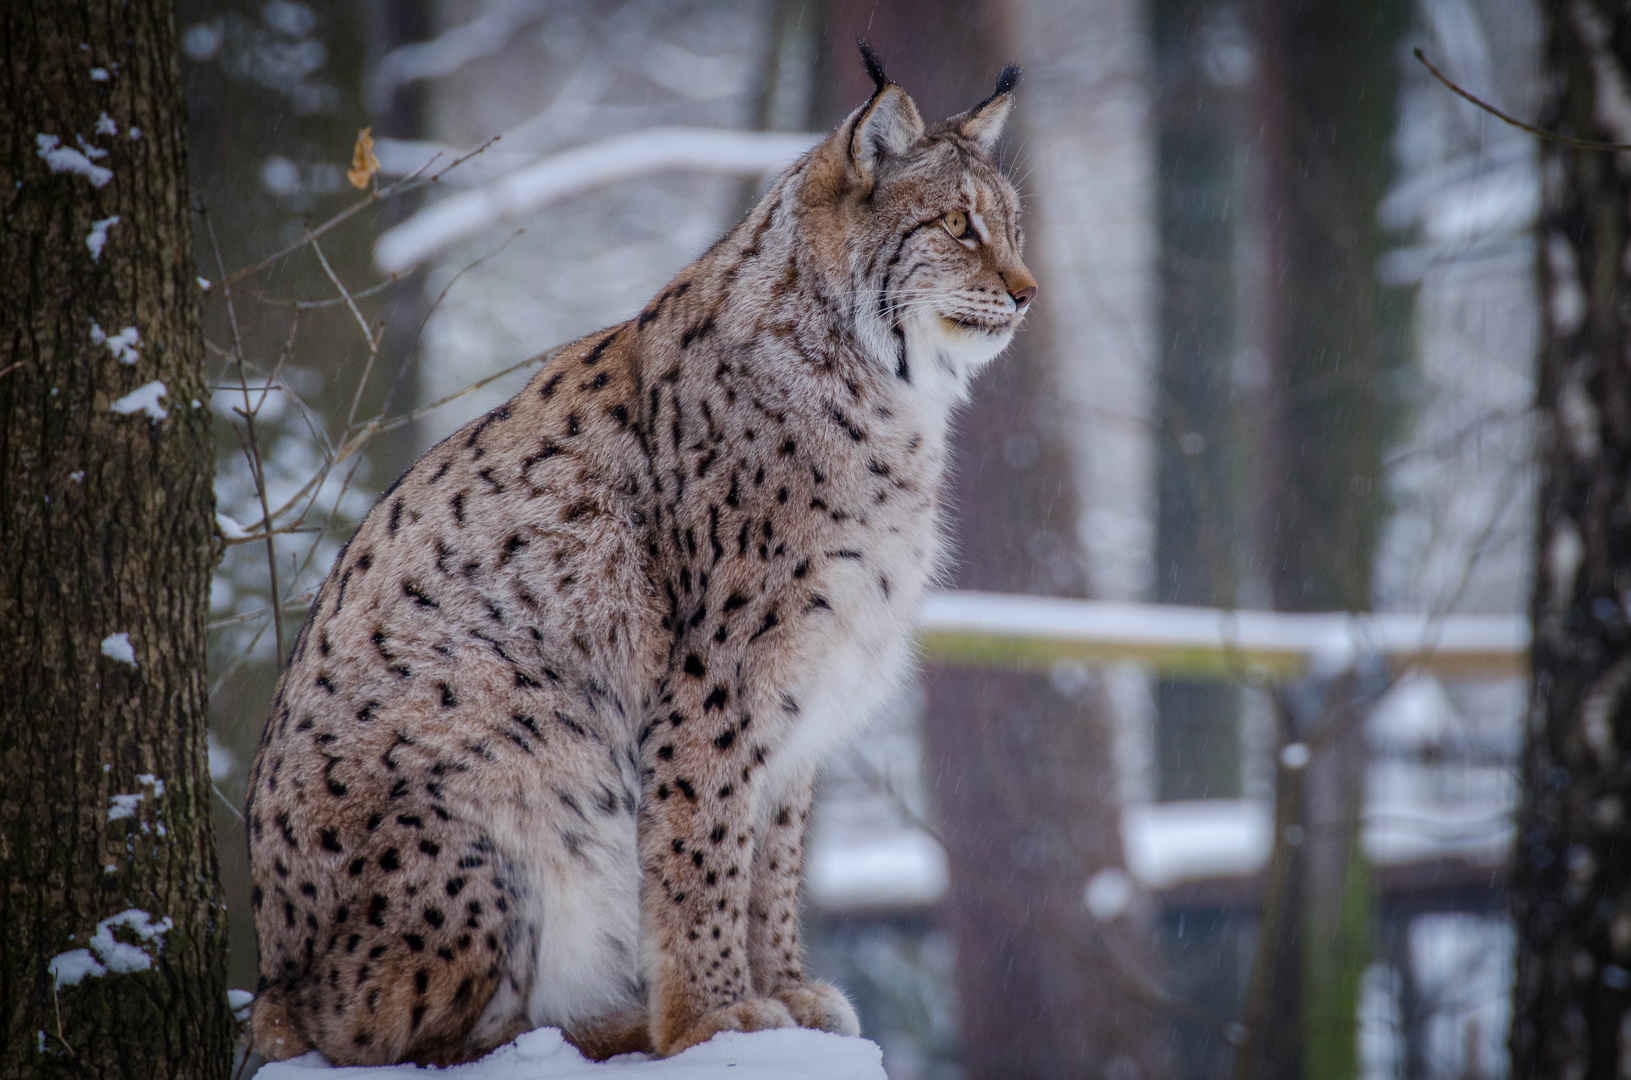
(105, 529)
(1572, 874)
(1326, 88)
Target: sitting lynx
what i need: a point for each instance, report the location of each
(545, 749)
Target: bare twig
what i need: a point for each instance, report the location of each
(56, 1002)
(411, 182)
(304, 305)
(296, 603)
(228, 802)
(251, 445)
(419, 335)
(238, 661)
(1550, 136)
(367, 332)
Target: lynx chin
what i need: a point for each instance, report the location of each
(545, 750)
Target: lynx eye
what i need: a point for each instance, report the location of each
(956, 223)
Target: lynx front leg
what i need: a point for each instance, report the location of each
(696, 854)
(775, 956)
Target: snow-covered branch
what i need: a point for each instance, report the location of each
(448, 53)
(583, 168)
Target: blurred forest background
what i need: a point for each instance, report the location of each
(1282, 358)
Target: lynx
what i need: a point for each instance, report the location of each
(544, 751)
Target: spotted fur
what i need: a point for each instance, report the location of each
(545, 749)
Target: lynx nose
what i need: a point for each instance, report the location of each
(1023, 296)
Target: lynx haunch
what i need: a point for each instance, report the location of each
(545, 749)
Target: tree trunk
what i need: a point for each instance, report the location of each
(1200, 116)
(1572, 877)
(112, 932)
(1326, 88)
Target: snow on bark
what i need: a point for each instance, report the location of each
(98, 237)
(61, 158)
(143, 399)
(109, 955)
(123, 344)
(117, 647)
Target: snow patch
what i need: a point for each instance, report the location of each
(123, 806)
(239, 1001)
(99, 74)
(69, 968)
(106, 126)
(92, 152)
(78, 476)
(784, 1054)
(230, 528)
(60, 158)
(108, 954)
(1295, 755)
(117, 646)
(1108, 894)
(123, 344)
(143, 399)
(1168, 843)
(891, 869)
(98, 238)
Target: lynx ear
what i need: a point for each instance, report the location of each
(982, 125)
(887, 125)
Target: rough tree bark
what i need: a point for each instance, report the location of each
(1572, 877)
(112, 932)
(1326, 85)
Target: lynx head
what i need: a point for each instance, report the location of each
(923, 228)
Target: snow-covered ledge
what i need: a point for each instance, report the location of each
(788, 1054)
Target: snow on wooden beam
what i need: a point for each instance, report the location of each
(584, 168)
(974, 629)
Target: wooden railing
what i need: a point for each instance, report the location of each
(974, 629)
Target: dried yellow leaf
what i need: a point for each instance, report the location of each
(363, 162)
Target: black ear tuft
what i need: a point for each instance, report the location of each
(874, 66)
(1007, 80)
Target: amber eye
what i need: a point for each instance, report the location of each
(957, 223)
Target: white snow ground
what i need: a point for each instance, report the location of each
(789, 1054)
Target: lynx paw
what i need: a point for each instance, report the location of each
(272, 1031)
(754, 1014)
(822, 1006)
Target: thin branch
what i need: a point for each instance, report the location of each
(303, 305)
(1550, 136)
(408, 183)
(238, 661)
(251, 445)
(297, 603)
(289, 530)
(367, 333)
(419, 335)
(227, 802)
